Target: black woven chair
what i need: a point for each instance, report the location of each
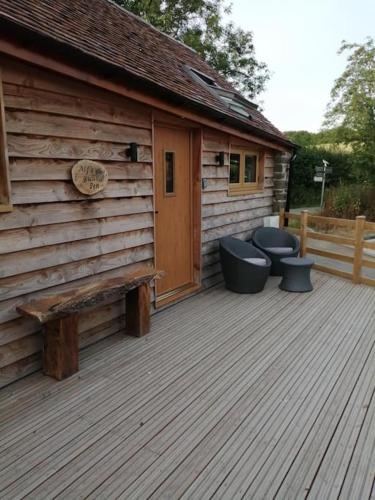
(277, 244)
(245, 268)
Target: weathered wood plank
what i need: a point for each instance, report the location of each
(93, 101)
(368, 263)
(19, 369)
(138, 307)
(22, 327)
(20, 349)
(5, 199)
(28, 216)
(216, 185)
(236, 206)
(209, 198)
(45, 124)
(80, 105)
(340, 240)
(16, 240)
(37, 280)
(235, 217)
(268, 171)
(211, 270)
(42, 258)
(60, 347)
(215, 142)
(213, 245)
(330, 255)
(54, 170)
(215, 172)
(25, 146)
(234, 228)
(8, 307)
(269, 161)
(23, 356)
(73, 301)
(24, 192)
(316, 219)
(209, 158)
(18, 328)
(369, 244)
(60, 315)
(335, 272)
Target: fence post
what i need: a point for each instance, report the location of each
(282, 218)
(358, 247)
(303, 232)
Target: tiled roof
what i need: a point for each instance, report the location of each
(101, 29)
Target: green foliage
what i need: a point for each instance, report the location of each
(348, 201)
(332, 136)
(200, 25)
(352, 106)
(306, 192)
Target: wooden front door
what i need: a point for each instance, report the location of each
(173, 206)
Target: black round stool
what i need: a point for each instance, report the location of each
(296, 274)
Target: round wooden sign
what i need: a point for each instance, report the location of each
(89, 177)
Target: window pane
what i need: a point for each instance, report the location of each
(250, 168)
(169, 172)
(234, 176)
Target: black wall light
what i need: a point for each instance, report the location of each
(132, 151)
(220, 158)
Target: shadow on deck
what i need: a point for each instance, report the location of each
(230, 396)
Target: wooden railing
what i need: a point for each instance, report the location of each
(356, 228)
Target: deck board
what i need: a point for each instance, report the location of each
(230, 396)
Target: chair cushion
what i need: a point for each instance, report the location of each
(280, 250)
(256, 261)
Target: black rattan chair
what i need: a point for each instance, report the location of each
(245, 268)
(277, 244)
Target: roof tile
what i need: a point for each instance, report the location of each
(103, 30)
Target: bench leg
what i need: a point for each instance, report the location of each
(60, 348)
(138, 311)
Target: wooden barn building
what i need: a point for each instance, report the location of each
(186, 161)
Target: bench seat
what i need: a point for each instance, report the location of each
(59, 315)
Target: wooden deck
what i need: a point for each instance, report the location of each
(230, 396)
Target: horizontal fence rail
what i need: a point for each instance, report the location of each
(358, 227)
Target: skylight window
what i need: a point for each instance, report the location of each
(208, 80)
(233, 100)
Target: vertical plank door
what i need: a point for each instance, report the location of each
(173, 206)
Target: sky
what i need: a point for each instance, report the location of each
(299, 40)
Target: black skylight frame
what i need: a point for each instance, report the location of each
(233, 100)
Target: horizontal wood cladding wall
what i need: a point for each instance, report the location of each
(56, 237)
(224, 215)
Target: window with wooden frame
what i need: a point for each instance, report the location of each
(244, 172)
(5, 201)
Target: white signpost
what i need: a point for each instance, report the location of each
(320, 176)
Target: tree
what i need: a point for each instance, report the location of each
(352, 105)
(200, 25)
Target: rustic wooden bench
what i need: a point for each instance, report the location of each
(59, 316)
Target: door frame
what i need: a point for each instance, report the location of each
(196, 139)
